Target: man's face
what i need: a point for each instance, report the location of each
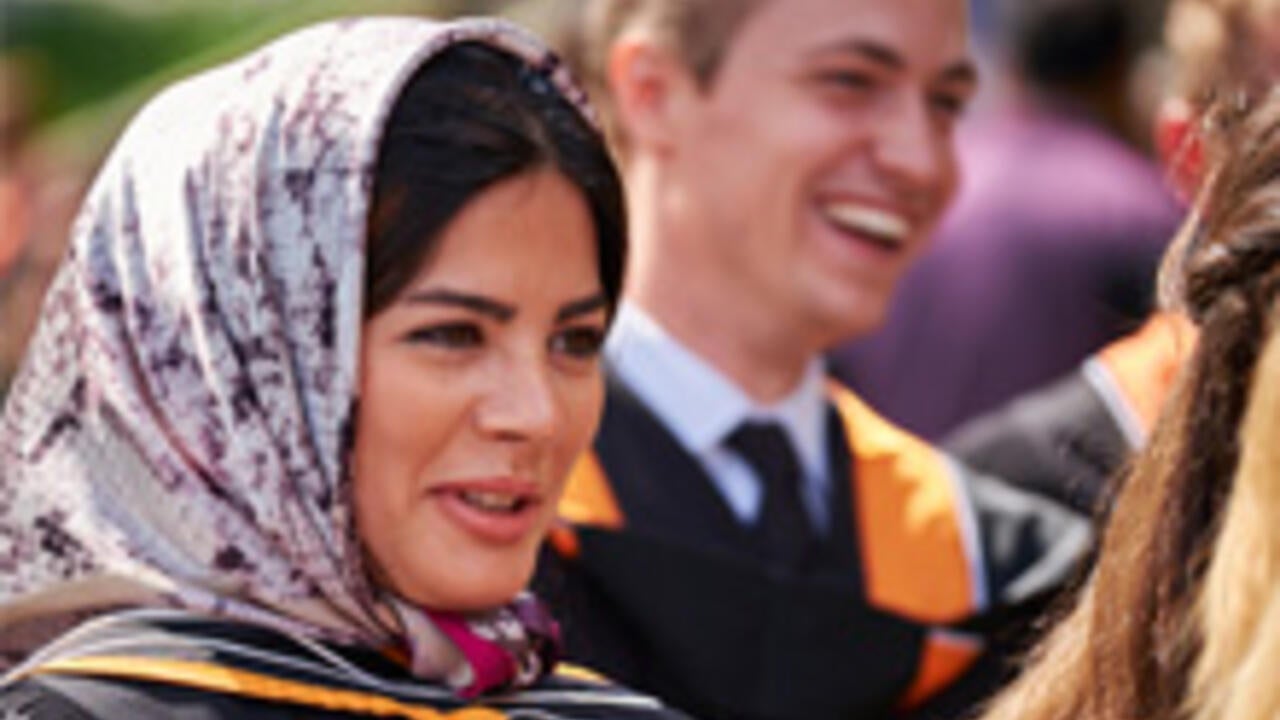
(820, 158)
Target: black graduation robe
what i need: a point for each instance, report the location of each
(147, 665)
(929, 574)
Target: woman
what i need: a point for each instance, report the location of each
(1181, 617)
(417, 215)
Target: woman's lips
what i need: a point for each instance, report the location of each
(496, 511)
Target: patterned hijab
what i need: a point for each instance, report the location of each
(179, 432)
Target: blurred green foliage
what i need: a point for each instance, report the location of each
(89, 63)
(80, 53)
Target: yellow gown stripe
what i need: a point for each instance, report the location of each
(231, 681)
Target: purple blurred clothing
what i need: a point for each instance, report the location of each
(1049, 253)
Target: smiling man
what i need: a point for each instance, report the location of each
(749, 540)
(778, 199)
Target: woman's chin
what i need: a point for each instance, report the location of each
(479, 601)
(472, 587)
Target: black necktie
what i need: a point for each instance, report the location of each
(784, 526)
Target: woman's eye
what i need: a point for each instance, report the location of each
(578, 342)
(454, 336)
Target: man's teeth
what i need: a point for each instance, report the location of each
(880, 224)
(492, 501)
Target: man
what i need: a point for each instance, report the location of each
(749, 540)
(1050, 250)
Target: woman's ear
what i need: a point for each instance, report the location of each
(1181, 146)
(652, 91)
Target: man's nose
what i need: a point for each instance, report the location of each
(520, 402)
(908, 149)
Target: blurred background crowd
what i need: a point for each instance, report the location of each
(1064, 116)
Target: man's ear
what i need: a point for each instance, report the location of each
(1180, 145)
(651, 92)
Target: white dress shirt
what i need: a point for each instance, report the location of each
(701, 407)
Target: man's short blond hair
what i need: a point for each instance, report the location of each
(698, 32)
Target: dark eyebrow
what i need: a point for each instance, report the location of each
(880, 54)
(476, 303)
(582, 306)
(501, 311)
(962, 71)
(875, 52)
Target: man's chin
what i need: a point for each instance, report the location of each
(847, 317)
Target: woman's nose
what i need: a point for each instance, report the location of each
(520, 404)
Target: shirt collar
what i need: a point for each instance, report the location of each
(698, 404)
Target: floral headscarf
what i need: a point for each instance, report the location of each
(179, 432)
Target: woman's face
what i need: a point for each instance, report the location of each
(480, 385)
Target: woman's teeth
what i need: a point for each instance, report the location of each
(492, 501)
(887, 228)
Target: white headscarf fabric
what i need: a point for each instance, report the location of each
(179, 432)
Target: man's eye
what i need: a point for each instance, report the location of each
(450, 336)
(578, 342)
(948, 104)
(847, 79)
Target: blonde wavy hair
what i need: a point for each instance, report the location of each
(1237, 676)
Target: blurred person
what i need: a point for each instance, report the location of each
(15, 131)
(1050, 250)
(18, 191)
(749, 539)
(1223, 55)
(1221, 58)
(39, 194)
(1181, 617)
(35, 210)
(306, 389)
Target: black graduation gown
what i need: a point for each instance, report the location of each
(677, 602)
(151, 665)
